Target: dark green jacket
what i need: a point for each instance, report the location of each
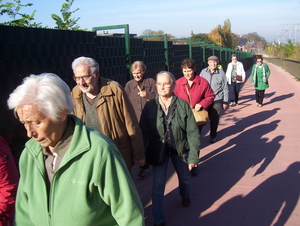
(184, 128)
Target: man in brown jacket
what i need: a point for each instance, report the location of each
(104, 106)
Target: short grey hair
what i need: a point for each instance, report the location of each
(169, 74)
(137, 64)
(93, 65)
(46, 91)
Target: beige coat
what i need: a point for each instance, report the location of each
(117, 119)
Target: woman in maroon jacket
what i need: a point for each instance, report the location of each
(201, 94)
(9, 178)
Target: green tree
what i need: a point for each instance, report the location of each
(254, 36)
(66, 22)
(159, 38)
(12, 9)
(202, 37)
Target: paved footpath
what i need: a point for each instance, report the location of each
(250, 177)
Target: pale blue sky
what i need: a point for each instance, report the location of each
(269, 18)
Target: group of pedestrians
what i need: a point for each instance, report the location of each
(76, 168)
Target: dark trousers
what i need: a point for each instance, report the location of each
(234, 89)
(214, 116)
(259, 94)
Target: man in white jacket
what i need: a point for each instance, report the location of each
(235, 75)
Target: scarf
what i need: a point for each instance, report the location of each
(264, 74)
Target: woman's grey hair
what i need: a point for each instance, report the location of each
(46, 91)
(93, 65)
(138, 64)
(169, 74)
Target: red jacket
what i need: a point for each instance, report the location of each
(9, 178)
(200, 91)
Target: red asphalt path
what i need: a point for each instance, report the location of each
(250, 176)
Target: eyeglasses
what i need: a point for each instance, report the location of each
(85, 77)
(166, 85)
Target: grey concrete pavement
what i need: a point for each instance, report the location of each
(250, 176)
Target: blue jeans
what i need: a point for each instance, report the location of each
(234, 89)
(159, 183)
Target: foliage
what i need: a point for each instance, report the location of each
(222, 36)
(13, 11)
(159, 38)
(66, 22)
(287, 51)
(202, 37)
(256, 38)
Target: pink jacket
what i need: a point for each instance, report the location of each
(200, 91)
(9, 178)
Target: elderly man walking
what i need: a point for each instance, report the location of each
(217, 79)
(104, 106)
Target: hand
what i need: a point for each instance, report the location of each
(225, 106)
(142, 93)
(141, 162)
(191, 166)
(198, 107)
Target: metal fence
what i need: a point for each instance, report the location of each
(26, 51)
(291, 66)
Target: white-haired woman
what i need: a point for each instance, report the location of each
(170, 118)
(65, 159)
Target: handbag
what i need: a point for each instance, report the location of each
(201, 117)
(155, 149)
(239, 78)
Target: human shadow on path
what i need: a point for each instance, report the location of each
(219, 172)
(240, 124)
(272, 201)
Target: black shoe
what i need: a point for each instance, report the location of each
(141, 173)
(186, 201)
(194, 171)
(161, 224)
(213, 140)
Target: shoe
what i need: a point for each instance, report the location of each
(186, 201)
(194, 171)
(231, 104)
(161, 224)
(259, 105)
(213, 140)
(142, 173)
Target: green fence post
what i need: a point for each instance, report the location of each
(165, 46)
(127, 43)
(190, 44)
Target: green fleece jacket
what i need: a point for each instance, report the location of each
(92, 185)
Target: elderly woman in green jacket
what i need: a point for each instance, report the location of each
(259, 78)
(170, 117)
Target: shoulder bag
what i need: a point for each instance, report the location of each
(201, 117)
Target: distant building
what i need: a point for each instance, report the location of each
(253, 47)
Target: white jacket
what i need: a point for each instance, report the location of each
(239, 70)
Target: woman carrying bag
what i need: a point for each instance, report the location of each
(170, 120)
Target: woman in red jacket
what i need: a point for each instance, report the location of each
(199, 90)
